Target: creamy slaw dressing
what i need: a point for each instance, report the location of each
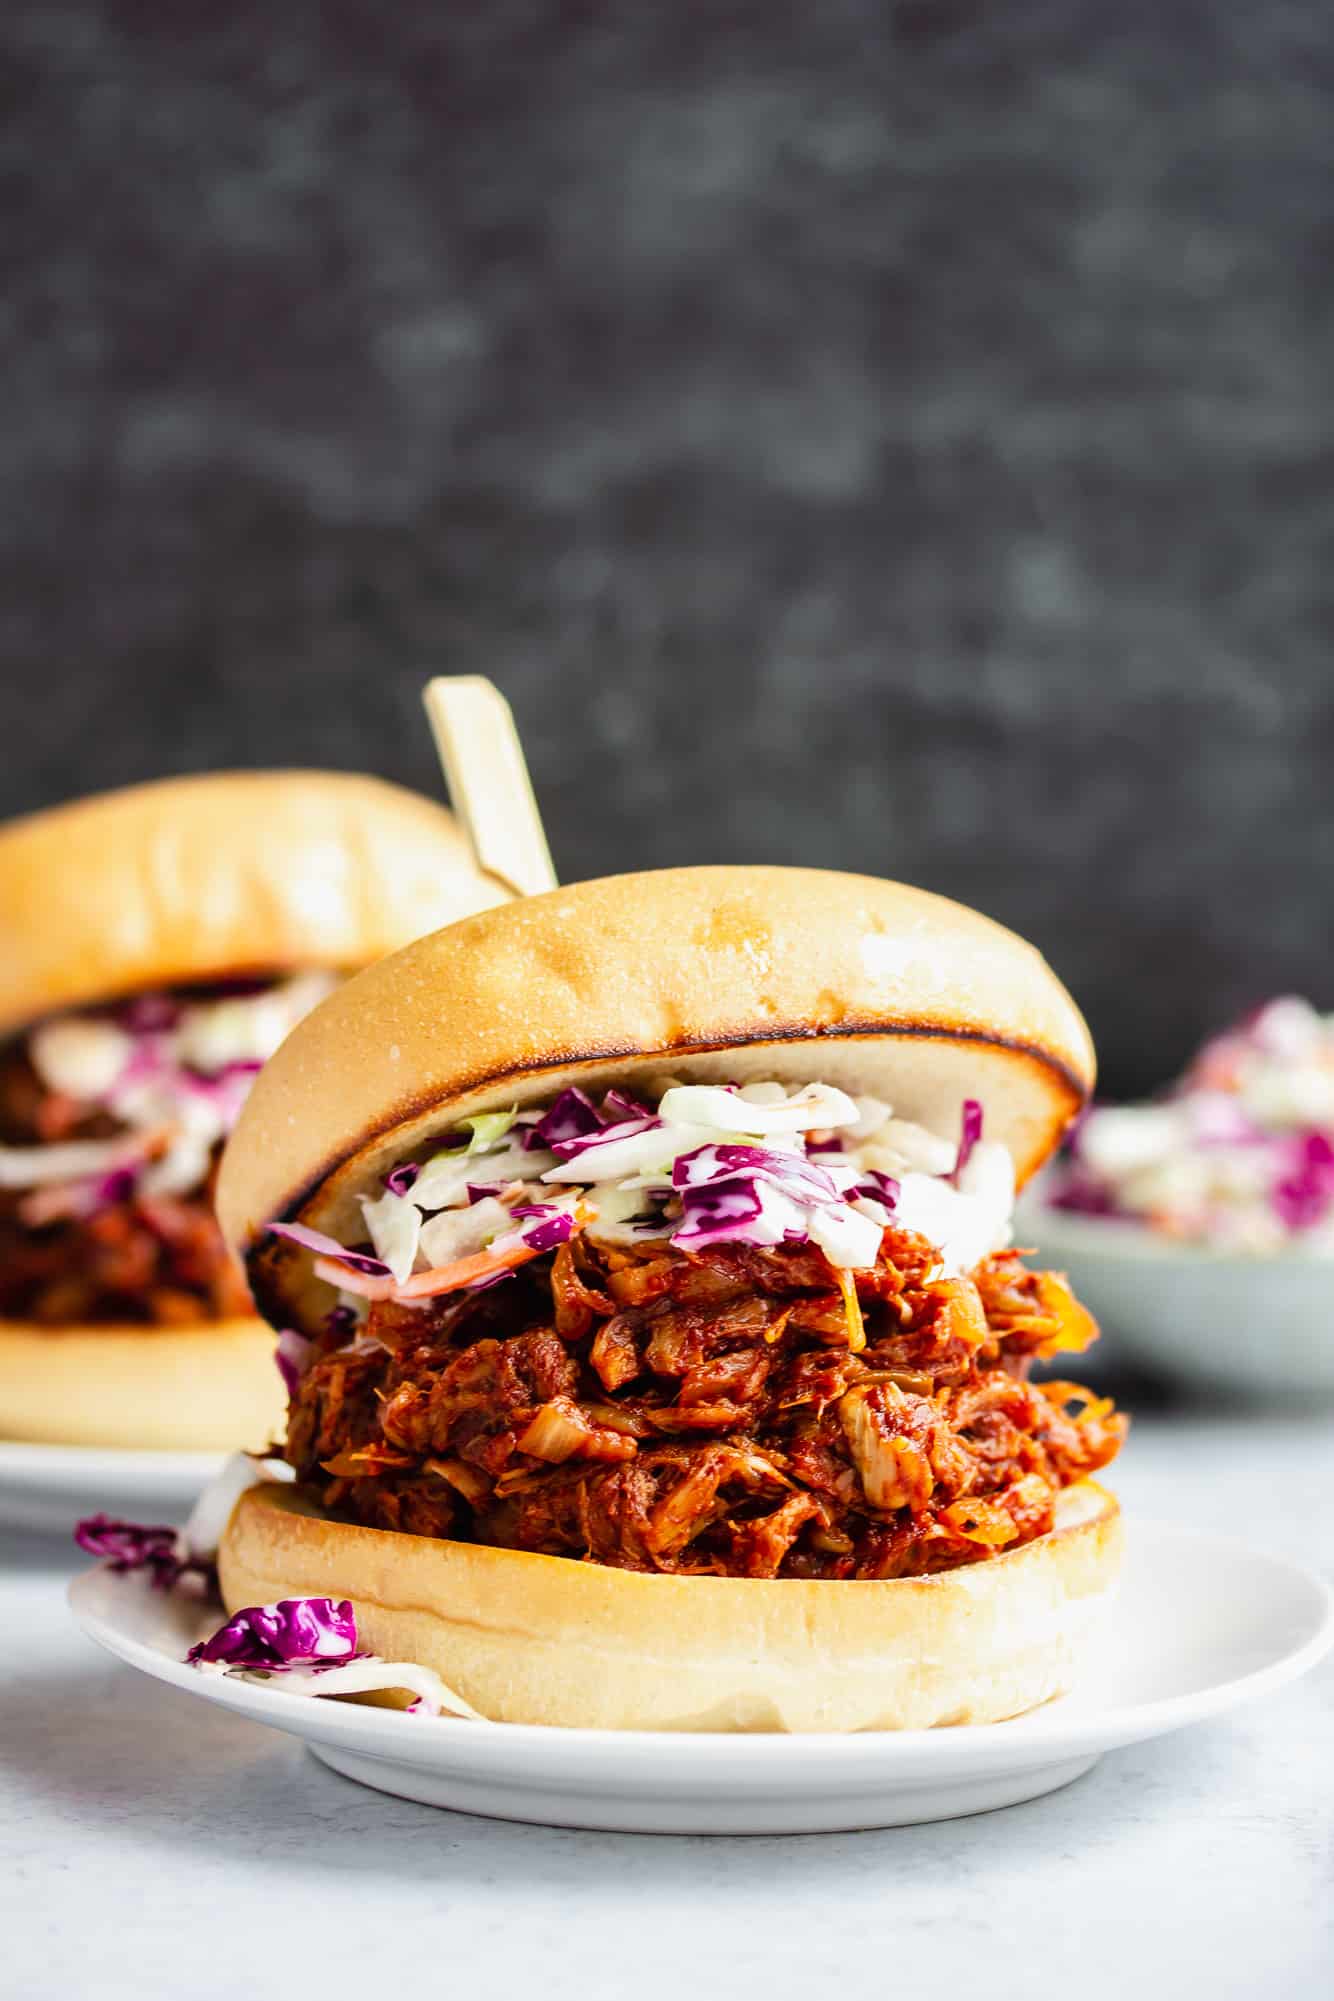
(807, 1159)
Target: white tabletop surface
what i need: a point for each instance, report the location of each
(151, 1845)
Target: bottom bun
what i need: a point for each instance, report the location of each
(208, 1388)
(546, 1639)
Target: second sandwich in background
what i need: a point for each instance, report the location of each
(160, 943)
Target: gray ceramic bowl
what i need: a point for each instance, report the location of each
(1260, 1326)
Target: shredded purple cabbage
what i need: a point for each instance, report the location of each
(573, 1116)
(133, 1546)
(294, 1633)
(548, 1227)
(571, 1149)
(618, 1107)
(292, 1356)
(881, 1188)
(118, 1186)
(217, 1087)
(1074, 1131)
(971, 1134)
(792, 1172)
(400, 1179)
(1303, 1198)
(148, 1014)
(329, 1247)
(723, 1211)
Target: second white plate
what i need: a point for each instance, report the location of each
(51, 1487)
(1200, 1625)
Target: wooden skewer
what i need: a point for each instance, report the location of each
(488, 780)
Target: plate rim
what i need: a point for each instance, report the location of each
(22, 1455)
(1043, 1735)
(45, 1489)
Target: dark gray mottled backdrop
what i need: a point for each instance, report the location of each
(894, 437)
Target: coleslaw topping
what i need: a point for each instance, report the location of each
(707, 1164)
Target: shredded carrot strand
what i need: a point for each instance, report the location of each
(464, 1271)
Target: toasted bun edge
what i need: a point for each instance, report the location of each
(549, 1640)
(206, 1388)
(190, 880)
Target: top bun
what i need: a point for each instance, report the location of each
(707, 973)
(198, 879)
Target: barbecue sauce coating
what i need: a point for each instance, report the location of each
(707, 1414)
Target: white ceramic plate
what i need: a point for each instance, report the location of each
(1200, 1624)
(51, 1487)
(1263, 1327)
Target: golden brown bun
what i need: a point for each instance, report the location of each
(545, 1639)
(195, 879)
(710, 973)
(212, 1388)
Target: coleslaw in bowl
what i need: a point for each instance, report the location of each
(1199, 1227)
(1237, 1155)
